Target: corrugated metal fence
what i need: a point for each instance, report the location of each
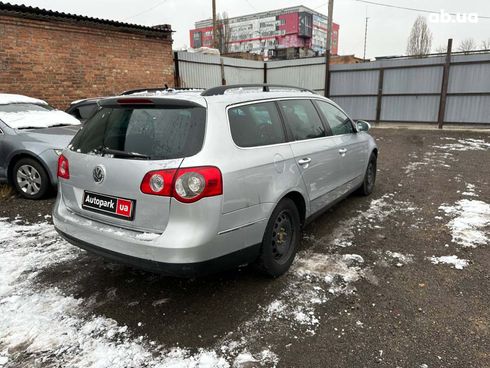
(391, 90)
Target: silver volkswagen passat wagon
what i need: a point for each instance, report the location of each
(195, 182)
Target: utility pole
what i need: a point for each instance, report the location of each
(365, 38)
(445, 84)
(215, 37)
(328, 48)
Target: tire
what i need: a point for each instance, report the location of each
(279, 248)
(367, 186)
(30, 179)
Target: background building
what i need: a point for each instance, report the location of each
(295, 27)
(62, 57)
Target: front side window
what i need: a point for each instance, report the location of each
(158, 133)
(338, 121)
(256, 125)
(302, 119)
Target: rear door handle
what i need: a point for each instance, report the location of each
(304, 161)
(342, 151)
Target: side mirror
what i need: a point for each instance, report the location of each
(363, 126)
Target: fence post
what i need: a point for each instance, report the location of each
(379, 99)
(445, 84)
(265, 72)
(327, 74)
(176, 70)
(223, 79)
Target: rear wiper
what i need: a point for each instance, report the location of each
(124, 153)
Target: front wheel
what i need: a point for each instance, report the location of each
(30, 179)
(281, 239)
(367, 186)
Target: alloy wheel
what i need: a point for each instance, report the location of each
(29, 180)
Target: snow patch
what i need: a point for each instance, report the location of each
(430, 160)
(314, 280)
(470, 223)
(7, 98)
(265, 358)
(467, 144)
(147, 236)
(40, 325)
(379, 210)
(470, 191)
(456, 262)
(37, 119)
(401, 259)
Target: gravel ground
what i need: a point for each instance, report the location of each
(368, 287)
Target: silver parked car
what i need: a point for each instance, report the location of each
(32, 136)
(190, 183)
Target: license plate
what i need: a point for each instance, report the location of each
(122, 208)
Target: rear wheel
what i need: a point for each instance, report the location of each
(30, 179)
(369, 177)
(281, 239)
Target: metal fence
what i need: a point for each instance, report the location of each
(438, 89)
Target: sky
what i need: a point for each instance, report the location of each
(388, 28)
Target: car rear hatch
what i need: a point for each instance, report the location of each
(127, 138)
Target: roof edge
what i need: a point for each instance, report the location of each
(24, 11)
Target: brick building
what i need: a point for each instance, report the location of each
(62, 57)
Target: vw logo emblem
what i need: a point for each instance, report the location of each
(99, 174)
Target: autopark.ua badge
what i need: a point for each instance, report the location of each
(109, 205)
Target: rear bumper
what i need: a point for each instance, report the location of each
(191, 243)
(244, 256)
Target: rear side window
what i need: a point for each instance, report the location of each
(338, 121)
(85, 112)
(256, 125)
(158, 133)
(302, 119)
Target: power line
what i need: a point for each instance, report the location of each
(145, 11)
(412, 9)
(250, 4)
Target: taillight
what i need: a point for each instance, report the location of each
(192, 184)
(186, 185)
(158, 182)
(63, 168)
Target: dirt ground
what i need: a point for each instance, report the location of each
(363, 292)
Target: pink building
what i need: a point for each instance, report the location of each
(259, 33)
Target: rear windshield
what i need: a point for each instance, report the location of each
(156, 133)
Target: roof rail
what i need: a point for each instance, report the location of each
(150, 90)
(220, 90)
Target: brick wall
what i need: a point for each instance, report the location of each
(61, 61)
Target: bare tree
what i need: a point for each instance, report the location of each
(420, 39)
(223, 32)
(442, 49)
(485, 45)
(467, 45)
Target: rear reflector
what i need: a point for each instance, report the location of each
(187, 185)
(63, 168)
